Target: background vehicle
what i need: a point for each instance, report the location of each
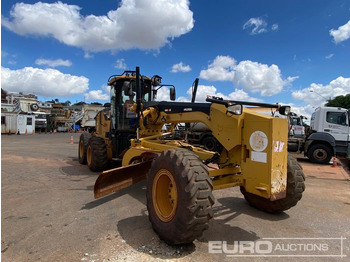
(328, 135)
(297, 128)
(40, 121)
(179, 180)
(197, 134)
(116, 124)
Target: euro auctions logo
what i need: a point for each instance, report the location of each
(281, 247)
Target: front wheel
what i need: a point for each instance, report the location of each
(320, 154)
(179, 196)
(96, 154)
(295, 189)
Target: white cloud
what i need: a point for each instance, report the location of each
(163, 94)
(53, 63)
(257, 24)
(240, 95)
(302, 110)
(251, 76)
(320, 93)
(87, 55)
(183, 99)
(43, 82)
(100, 94)
(120, 64)
(146, 24)
(274, 27)
(341, 34)
(11, 58)
(329, 56)
(221, 69)
(94, 95)
(257, 77)
(204, 91)
(180, 67)
(106, 89)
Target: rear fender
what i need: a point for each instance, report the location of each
(324, 138)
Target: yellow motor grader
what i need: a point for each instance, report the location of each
(181, 177)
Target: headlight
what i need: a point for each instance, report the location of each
(284, 110)
(235, 109)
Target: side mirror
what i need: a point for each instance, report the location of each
(172, 94)
(235, 109)
(284, 110)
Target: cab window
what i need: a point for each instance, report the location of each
(338, 118)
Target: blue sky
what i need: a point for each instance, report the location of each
(270, 51)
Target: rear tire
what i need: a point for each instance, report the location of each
(320, 154)
(179, 196)
(83, 145)
(295, 189)
(96, 154)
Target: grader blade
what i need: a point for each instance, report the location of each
(113, 180)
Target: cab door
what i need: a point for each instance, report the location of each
(337, 124)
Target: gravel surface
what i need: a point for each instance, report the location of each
(49, 213)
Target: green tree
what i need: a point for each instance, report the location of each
(79, 103)
(340, 101)
(67, 103)
(55, 101)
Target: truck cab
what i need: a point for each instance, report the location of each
(329, 134)
(332, 120)
(40, 121)
(297, 128)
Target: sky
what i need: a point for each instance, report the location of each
(293, 52)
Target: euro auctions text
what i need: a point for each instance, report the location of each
(281, 247)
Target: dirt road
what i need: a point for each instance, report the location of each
(48, 212)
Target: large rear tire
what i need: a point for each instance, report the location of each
(295, 189)
(83, 145)
(96, 154)
(179, 196)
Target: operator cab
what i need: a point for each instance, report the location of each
(124, 95)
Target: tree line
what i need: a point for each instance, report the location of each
(340, 101)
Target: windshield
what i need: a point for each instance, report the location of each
(123, 97)
(297, 121)
(40, 116)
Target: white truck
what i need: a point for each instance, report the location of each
(329, 135)
(297, 128)
(40, 120)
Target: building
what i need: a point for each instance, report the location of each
(14, 123)
(17, 113)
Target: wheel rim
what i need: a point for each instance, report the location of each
(81, 149)
(164, 193)
(88, 155)
(210, 145)
(320, 154)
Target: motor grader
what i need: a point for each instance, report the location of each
(181, 177)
